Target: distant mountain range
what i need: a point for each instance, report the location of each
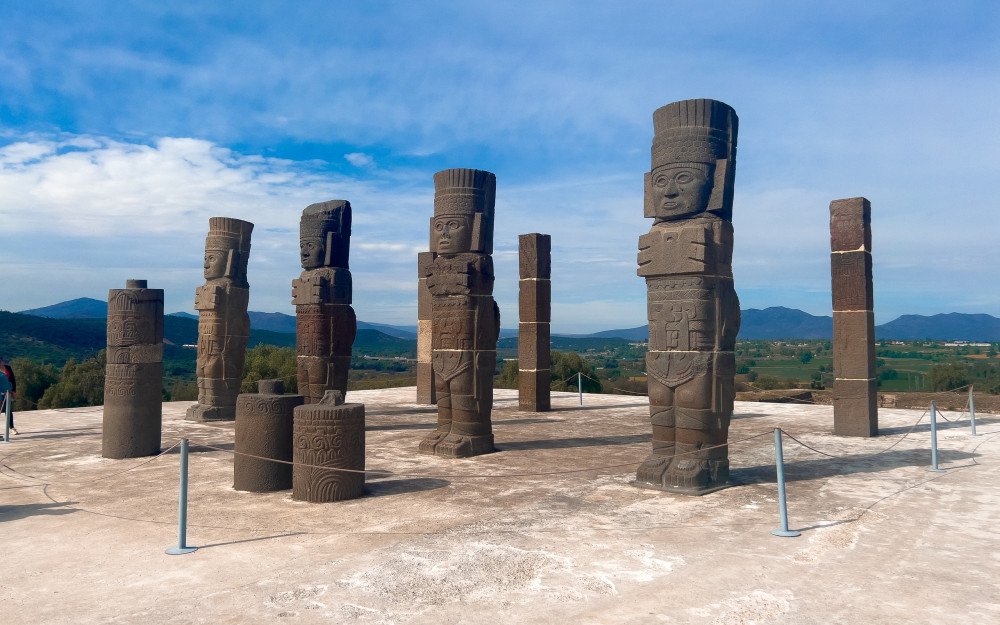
(776, 322)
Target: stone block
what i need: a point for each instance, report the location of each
(855, 408)
(535, 255)
(426, 393)
(850, 225)
(264, 429)
(424, 339)
(534, 301)
(328, 435)
(854, 345)
(533, 394)
(852, 281)
(533, 350)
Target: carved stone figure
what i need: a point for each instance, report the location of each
(329, 434)
(325, 324)
(693, 311)
(466, 320)
(133, 380)
(223, 324)
(264, 429)
(535, 308)
(425, 370)
(855, 403)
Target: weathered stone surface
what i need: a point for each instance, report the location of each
(535, 255)
(533, 393)
(426, 393)
(855, 407)
(328, 434)
(223, 323)
(534, 301)
(465, 319)
(264, 429)
(852, 286)
(134, 372)
(855, 413)
(693, 311)
(850, 225)
(533, 346)
(325, 323)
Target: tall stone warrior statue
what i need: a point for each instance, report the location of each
(325, 324)
(466, 320)
(693, 311)
(223, 323)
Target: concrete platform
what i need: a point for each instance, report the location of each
(487, 539)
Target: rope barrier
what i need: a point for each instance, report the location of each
(21, 476)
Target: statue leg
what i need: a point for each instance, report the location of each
(701, 459)
(442, 389)
(471, 403)
(661, 412)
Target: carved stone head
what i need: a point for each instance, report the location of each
(463, 211)
(693, 161)
(325, 235)
(227, 249)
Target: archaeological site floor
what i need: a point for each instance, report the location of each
(548, 530)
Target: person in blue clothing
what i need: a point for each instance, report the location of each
(7, 383)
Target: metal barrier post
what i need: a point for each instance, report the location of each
(779, 463)
(934, 464)
(579, 385)
(972, 411)
(182, 547)
(6, 416)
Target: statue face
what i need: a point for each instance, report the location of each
(680, 192)
(312, 250)
(453, 234)
(215, 264)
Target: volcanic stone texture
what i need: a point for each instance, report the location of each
(328, 435)
(264, 429)
(693, 311)
(223, 323)
(134, 372)
(535, 308)
(426, 393)
(465, 318)
(855, 400)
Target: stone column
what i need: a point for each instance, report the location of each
(264, 429)
(223, 323)
(466, 320)
(535, 308)
(425, 371)
(329, 433)
(855, 400)
(133, 383)
(325, 324)
(693, 311)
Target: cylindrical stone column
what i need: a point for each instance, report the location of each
(426, 393)
(855, 397)
(133, 408)
(264, 429)
(535, 308)
(328, 434)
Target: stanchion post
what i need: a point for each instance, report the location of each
(934, 463)
(182, 547)
(579, 385)
(6, 416)
(779, 463)
(972, 411)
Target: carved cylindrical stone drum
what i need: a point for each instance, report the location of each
(328, 434)
(133, 399)
(264, 429)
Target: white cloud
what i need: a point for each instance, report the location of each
(359, 159)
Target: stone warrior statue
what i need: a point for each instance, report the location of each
(693, 311)
(466, 320)
(223, 324)
(325, 324)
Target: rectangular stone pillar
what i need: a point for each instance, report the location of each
(855, 401)
(425, 372)
(535, 307)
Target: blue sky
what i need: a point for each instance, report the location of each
(125, 126)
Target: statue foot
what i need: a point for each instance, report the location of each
(455, 446)
(695, 474)
(429, 444)
(652, 469)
